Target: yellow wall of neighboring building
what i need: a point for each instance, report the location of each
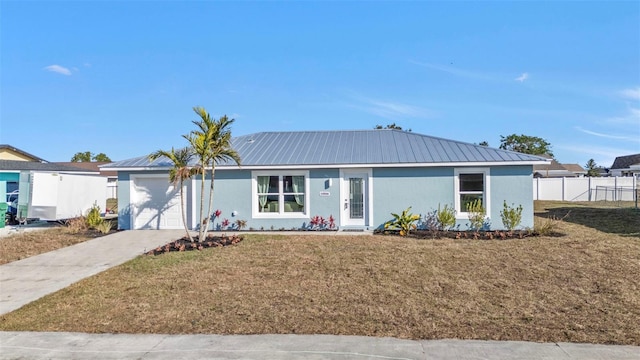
(6, 154)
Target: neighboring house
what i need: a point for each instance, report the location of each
(628, 165)
(8, 152)
(358, 177)
(575, 169)
(555, 170)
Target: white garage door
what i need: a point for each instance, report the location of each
(155, 204)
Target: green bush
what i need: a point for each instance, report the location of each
(104, 227)
(511, 216)
(93, 217)
(446, 217)
(404, 222)
(477, 214)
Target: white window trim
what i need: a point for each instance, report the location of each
(486, 194)
(255, 213)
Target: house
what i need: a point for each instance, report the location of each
(8, 152)
(556, 170)
(628, 165)
(358, 177)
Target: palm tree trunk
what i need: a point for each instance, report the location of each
(184, 216)
(202, 231)
(211, 194)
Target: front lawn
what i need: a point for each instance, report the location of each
(24, 244)
(580, 287)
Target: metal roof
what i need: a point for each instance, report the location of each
(351, 147)
(16, 165)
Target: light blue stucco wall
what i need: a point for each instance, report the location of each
(394, 189)
(513, 184)
(232, 192)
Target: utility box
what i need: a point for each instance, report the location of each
(54, 196)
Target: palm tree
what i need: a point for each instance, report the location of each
(180, 172)
(211, 143)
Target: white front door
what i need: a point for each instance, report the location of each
(355, 198)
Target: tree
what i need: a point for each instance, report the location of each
(592, 168)
(211, 144)
(525, 144)
(101, 158)
(81, 157)
(483, 143)
(390, 126)
(180, 171)
(87, 156)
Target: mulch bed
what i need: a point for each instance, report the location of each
(473, 235)
(184, 244)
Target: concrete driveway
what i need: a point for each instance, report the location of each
(26, 280)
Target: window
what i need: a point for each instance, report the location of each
(471, 185)
(280, 195)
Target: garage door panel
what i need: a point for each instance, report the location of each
(156, 204)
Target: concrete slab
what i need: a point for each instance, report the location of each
(32, 345)
(26, 280)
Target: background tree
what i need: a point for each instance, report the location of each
(592, 168)
(525, 144)
(102, 157)
(82, 157)
(211, 144)
(180, 171)
(87, 156)
(389, 126)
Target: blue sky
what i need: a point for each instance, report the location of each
(121, 77)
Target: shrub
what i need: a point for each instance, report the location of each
(477, 214)
(446, 217)
(430, 221)
(511, 216)
(241, 224)
(93, 217)
(77, 224)
(548, 225)
(404, 222)
(104, 227)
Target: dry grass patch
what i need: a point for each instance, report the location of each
(609, 217)
(29, 243)
(573, 288)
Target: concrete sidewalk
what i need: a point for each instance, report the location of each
(26, 280)
(28, 345)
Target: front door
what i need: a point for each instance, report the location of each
(355, 200)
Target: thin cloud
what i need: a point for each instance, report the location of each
(522, 77)
(631, 118)
(58, 69)
(390, 109)
(633, 94)
(454, 71)
(603, 155)
(607, 136)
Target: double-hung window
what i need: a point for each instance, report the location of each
(471, 185)
(280, 194)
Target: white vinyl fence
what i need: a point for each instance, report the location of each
(112, 190)
(585, 189)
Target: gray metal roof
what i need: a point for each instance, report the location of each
(16, 165)
(355, 147)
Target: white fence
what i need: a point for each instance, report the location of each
(112, 190)
(585, 189)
